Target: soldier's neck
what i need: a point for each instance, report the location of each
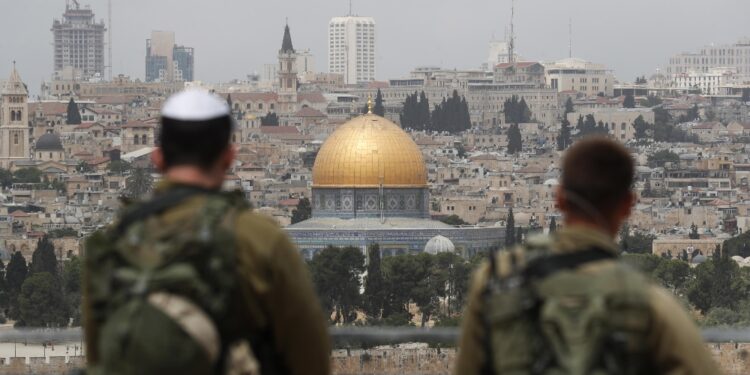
(190, 175)
(608, 228)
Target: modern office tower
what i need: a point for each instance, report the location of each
(166, 61)
(78, 44)
(351, 48)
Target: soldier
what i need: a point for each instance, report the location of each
(192, 281)
(563, 304)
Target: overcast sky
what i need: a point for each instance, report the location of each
(233, 38)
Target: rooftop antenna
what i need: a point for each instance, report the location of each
(511, 42)
(570, 37)
(350, 7)
(109, 39)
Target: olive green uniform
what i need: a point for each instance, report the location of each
(674, 340)
(275, 282)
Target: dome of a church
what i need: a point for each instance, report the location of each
(369, 151)
(439, 244)
(49, 142)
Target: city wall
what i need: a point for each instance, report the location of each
(733, 358)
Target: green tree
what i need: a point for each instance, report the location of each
(74, 114)
(138, 183)
(119, 167)
(693, 235)
(564, 138)
(553, 225)
(375, 293)
(516, 111)
(569, 108)
(693, 113)
(72, 287)
(629, 101)
(651, 101)
(510, 229)
(453, 272)
(641, 128)
(515, 140)
(453, 220)
(15, 275)
(717, 282)
(451, 115)
(673, 274)
(336, 273)
(41, 302)
(410, 279)
(84, 167)
(302, 212)
(28, 175)
(738, 245)
(6, 178)
(662, 157)
(270, 119)
(379, 108)
(43, 259)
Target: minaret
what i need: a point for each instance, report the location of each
(287, 75)
(14, 121)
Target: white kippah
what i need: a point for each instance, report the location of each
(194, 105)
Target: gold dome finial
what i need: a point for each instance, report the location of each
(369, 104)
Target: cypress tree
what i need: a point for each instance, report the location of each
(43, 259)
(553, 225)
(423, 110)
(515, 140)
(510, 229)
(564, 139)
(74, 114)
(375, 288)
(379, 108)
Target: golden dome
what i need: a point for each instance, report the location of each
(366, 152)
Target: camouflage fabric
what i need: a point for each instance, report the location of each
(583, 306)
(266, 296)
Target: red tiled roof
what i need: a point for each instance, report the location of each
(279, 130)
(49, 108)
(19, 213)
(312, 97)
(252, 96)
(309, 112)
(289, 202)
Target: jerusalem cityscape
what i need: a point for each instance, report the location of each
(374, 173)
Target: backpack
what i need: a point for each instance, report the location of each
(162, 296)
(543, 318)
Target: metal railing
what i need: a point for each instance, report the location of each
(343, 337)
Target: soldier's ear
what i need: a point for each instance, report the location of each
(157, 157)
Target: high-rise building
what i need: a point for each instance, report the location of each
(166, 61)
(736, 56)
(78, 44)
(351, 48)
(183, 63)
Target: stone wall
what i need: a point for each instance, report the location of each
(55, 365)
(733, 358)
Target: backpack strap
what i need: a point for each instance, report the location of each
(159, 204)
(545, 266)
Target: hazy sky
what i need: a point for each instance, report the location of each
(234, 37)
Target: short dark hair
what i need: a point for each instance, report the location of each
(599, 171)
(198, 143)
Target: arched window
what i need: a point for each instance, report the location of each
(15, 139)
(144, 139)
(136, 139)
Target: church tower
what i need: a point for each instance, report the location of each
(287, 76)
(14, 121)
